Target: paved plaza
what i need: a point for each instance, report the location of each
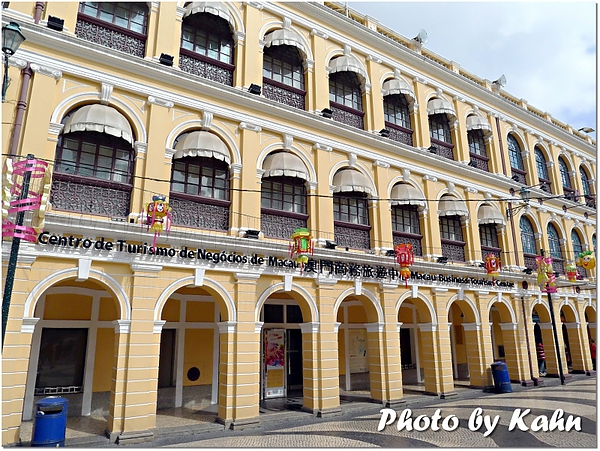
(283, 425)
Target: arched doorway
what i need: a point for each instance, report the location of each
(467, 358)
(503, 326)
(73, 349)
(417, 351)
(543, 335)
(359, 351)
(573, 339)
(590, 321)
(188, 367)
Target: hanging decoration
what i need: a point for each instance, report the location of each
(587, 260)
(23, 213)
(492, 265)
(546, 278)
(301, 246)
(405, 257)
(157, 216)
(571, 271)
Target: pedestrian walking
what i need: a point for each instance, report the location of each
(593, 353)
(541, 356)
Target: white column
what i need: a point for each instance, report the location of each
(347, 348)
(180, 348)
(33, 363)
(90, 357)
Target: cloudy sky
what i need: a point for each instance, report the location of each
(546, 50)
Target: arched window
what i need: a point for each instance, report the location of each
(441, 137)
(478, 131)
(283, 75)
(345, 99)
(406, 226)
(577, 249)
(585, 181)
(529, 243)
(565, 178)
(397, 118)
(93, 170)
(351, 209)
(555, 250)
(488, 234)
(451, 212)
(516, 160)
(200, 182)
(283, 195)
(542, 170)
(207, 44)
(121, 26)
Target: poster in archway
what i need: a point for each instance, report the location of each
(274, 363)
(358, 351)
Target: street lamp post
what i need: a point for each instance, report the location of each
(12, 38)
(14, 253)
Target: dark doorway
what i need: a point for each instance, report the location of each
(406, 351)
(62, 360)
(294, 359)
(166, 360)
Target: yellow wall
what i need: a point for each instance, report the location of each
(198, 353)
(200, 312)
(104, 362)
(342, 351)
(68, 307)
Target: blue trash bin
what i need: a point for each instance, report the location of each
(501, 378)
(50, 422)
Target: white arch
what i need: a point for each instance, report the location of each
(239, 23)
(426, 301)
(340, 52)
(501, 300)
(566, 301)
(278, 25)
(468, 300)
(370, 296)
(522, 141)
(589, 303)
(296, 151)
(400, 179)
(540, 301)
(279, 287)
(582, 235)
(69, 103)
(167, 292)
(567, 158)
(223, 134)
(94, 274)
(558, 225)
(536, 224)
(358, 166)
(545, 150)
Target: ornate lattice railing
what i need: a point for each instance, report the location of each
(101, 33)
(90, 198)
(351, 237)
(289, 97)
(279, 226)
(195, 65)
(198, 214)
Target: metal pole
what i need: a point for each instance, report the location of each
(14, 253)
(5, 82)
(560, 368)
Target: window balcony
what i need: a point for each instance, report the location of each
(480, 162)
(212, 214)
(281, 93)
(443, 149)
(409, 238)
(108, 35)
(280, 224)
(348, 116)
(454, 250)
(353, 236)
(400, 134)
(200, 65)
(519, 176)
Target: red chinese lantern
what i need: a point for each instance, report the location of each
(301, 246)
(405, 258)
(492, 265)
(158, 216)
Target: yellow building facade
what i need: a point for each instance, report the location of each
(253, 120)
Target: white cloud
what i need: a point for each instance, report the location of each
(547, 50)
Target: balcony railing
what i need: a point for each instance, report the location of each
(546, 186)
(590, 201)
(352, 235)
(485, 250)
(196, 64)
(443, 149)
(405, 238)
(400, 134)
(281, 93)
(90, 196)
(519, 176)
(571, 194)
(276, 224)
(454, 250)
(108, 35)
(529, 261)
(199, 214)
(348, 116)
(480, 162)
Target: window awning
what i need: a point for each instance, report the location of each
(489, 215)
(285, 36)
(284, 164)
(351, 180)
(214, 8)
(346, 63)
(99, 118)
(398, 86)
(476, 122)
(405, 194)
(201, 144)
(439, 106)
(451, 206)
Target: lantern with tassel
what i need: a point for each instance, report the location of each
(301, 246)
(571, 271)
(405, 257)
(158, 216)
(492, 265)
(542, 276)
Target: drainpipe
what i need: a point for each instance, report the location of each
(21, 105)
(39, 7)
